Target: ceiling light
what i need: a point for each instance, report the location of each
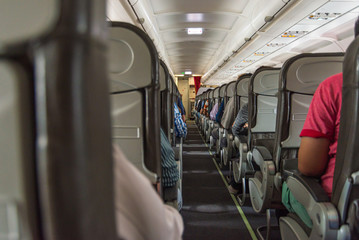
(194, 31)
(194, 17)
(188, 72)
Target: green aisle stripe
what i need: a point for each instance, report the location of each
(244, 218)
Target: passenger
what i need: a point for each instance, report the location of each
(204, 108)
(319, 139)
(170, 173)
(140, 212)
(181, 108)
(215, 133)
(213, 113)
(199, 106)
(180, 125)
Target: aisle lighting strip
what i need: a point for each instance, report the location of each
(244, 218)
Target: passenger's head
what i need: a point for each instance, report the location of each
(356, 27)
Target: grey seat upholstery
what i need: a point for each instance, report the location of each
(134, 78)
(297, 86)
(213, 122)
(50, 175)
(221, 98)
(166, 108)
(227, 151)
(204, 117)
(17, 174)
(212, 102)
(240, 165)
(262, 110)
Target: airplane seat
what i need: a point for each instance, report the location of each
(227, 134)
(263, 90)
(222, 98)
(213, 123)
(209, 121)
(17, 175)
(40, 151)
(166, 107)
(240, 165)
(134, 75)
(170, 194)
(18, 200)
(299, 79)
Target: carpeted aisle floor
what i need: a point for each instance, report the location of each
(209, 211)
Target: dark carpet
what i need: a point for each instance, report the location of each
(208, 209)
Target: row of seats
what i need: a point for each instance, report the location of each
(57, 175)
(278, 102)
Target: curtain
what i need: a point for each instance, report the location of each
(197, 83)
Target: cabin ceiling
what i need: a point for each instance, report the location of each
(194, 52)
(223, 50)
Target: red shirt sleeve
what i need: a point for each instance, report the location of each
(321, 118)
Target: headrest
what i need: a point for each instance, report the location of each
(231, 88)
(164, 76)
(21, 21)
(211, 93)
(222, 90)
(265, 81)
(216, 92)
(132, 58)
(242, 87)
(303, 73)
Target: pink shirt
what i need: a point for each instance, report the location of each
(323, 121)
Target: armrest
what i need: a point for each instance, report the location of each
(262, 157)
(263, 151)
(176, 151)
(289, 167)
(311, 185)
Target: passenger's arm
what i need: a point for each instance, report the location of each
(313, 156)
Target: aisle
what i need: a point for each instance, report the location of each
(209, 211)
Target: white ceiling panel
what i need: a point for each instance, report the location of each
(198, 6)
(204, 20)
(236, 37)
(209, 35)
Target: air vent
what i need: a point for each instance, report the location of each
(183, 78)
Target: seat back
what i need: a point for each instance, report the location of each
(18, 215)
(216, 94)
(134, 76)
(299, 78)
(241, 91)
(50, 173)
(171, 83)
(17, 174)
(262, 92)
(222, 93)
(229, 94)
(345, 183)
(166, 107)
